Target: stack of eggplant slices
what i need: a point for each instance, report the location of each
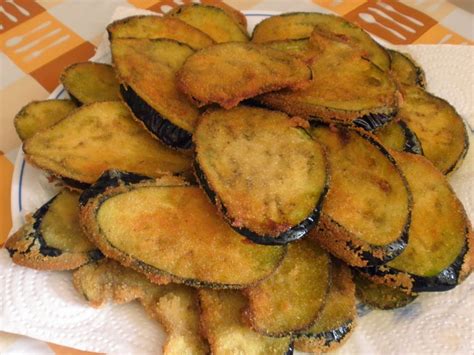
(246, 189)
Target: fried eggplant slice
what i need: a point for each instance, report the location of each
(222, 325)
(108, 281)
(231, 72)
(52, 238)
(264, 172)
(147, 69)
(406, 70)
(337, 318)
(98, 137)
(221, 25)
(367, 211)
(381, 296)
(39, 115)
(90, 82)
(439, 253)
(156, 27)
(346, 88)
(397, 136)
(291, 299)
(174, 306)
(299, 25)
(437, 125)
(165, 228)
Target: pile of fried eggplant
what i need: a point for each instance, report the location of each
(245, 189)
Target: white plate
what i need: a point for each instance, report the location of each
(45, 306)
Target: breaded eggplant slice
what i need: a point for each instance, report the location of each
(337, 318)
(165, 228)
(155, 27)
(406, 70)
(381, 296)
(439, 254)
(346, 88)
(231, 72)
(263, 171)
(367, 211)
(299, 25)
(98, 137)
(437, 125)
(39, 115)
(90, 82)
(291, 299)
(221, 25)
(108, 281)
(52, 239)
(146, 69)
(397, 136)
(221, 323)
(174, 306)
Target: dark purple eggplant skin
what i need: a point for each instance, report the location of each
(412, 143)
(373, 121)
(291, 235)
(110, 178)
(331, 336)
(75, 184)
(37, 237)
(291, 349)
(444, 281)
(168, 133)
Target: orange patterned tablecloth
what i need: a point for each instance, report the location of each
(39, 38)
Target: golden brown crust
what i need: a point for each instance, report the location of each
(221, 22)
(155, 27)
(334, 238)
(39, 115)
(229, 73)
(89, 82)
(26, 252)
(291, 299)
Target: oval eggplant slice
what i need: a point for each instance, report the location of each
(439, 252)
(437, 125)
(397, 136)
(90, 82)
(337, 318)
(231, 72)
(147, 70)
(222, 325)
(291, 299)
(52, 238)
(346, 88)
(298, 25)
(108, 281)
(381, 296)
(39, 115)
(166, 228)
(174, 306)
(156, 27)
(367, 211)
(406, 70)
(216, 22)
(98, 137)
(265, 173)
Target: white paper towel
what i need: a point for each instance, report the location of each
(44, 305)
